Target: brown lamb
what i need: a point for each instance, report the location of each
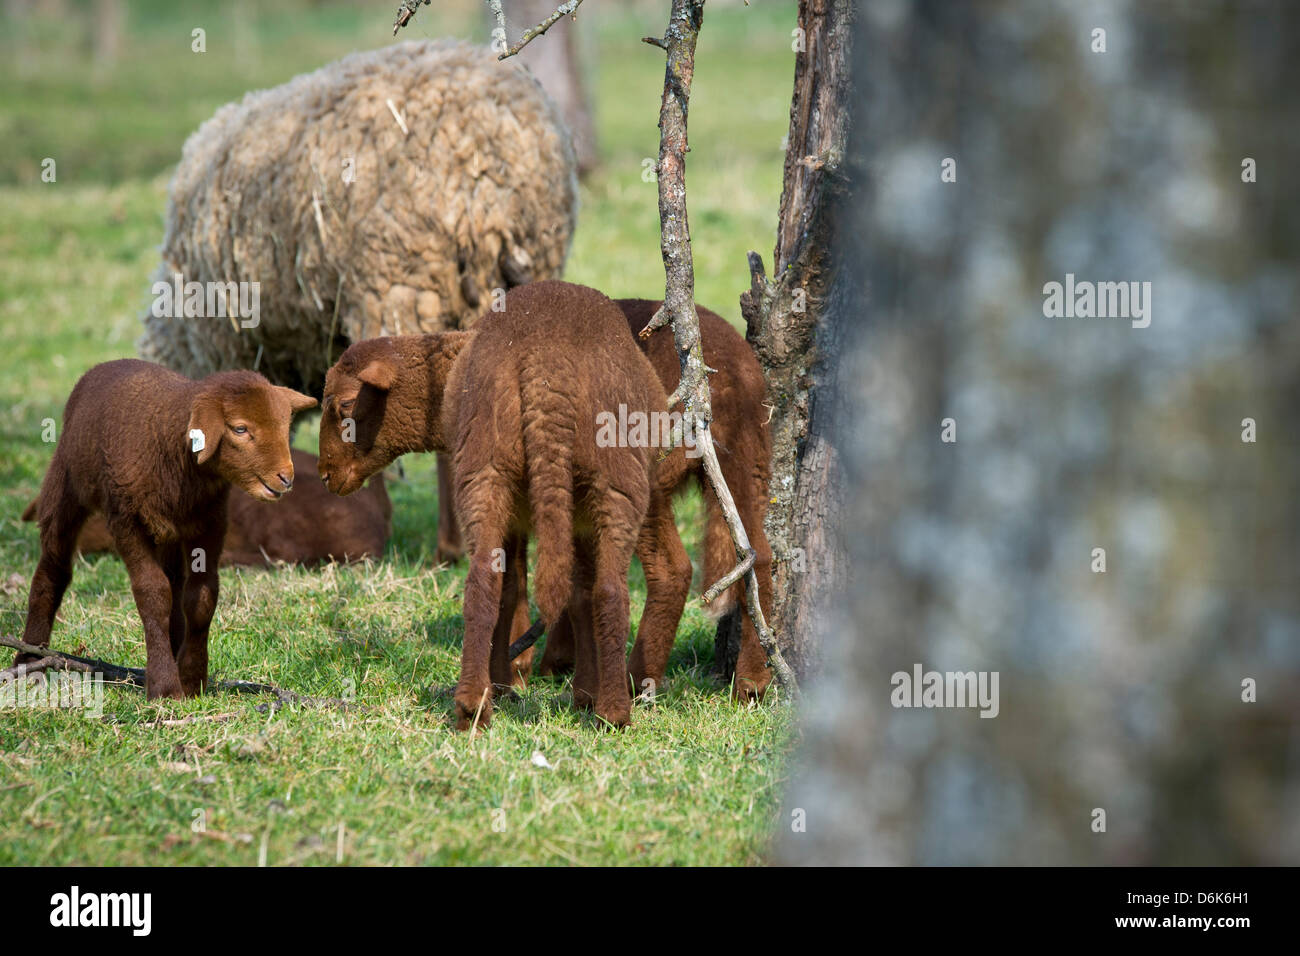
(737, 390)
(309, 527)
(517, 402)
(744, 452)
(156, 454)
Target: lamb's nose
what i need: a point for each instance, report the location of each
(287, 482)
(325, 477)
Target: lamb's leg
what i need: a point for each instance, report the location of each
(512, 582)
(450, 548)
(482, 605)
(175, 571)
(668, 581)
(615, 538)
(202, 588)
(609, 625)
(60, 525)
(153, 599)
(586, 674)
(522, 665)
(558, 658)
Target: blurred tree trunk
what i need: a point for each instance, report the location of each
(793, 329)
(110, 24)
(1101, 538)
(558, 66)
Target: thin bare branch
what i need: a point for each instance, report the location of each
(405, 10)
(745, 553)
(679, 40)
(563, 10)
(658, 320)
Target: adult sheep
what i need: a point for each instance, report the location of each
(390, 192)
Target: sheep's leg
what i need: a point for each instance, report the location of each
(175, 571)
(558, 657)
(522, 665)
(616, 535)
(752, 673)
(153, 600)
(483, 587)
(60, 526)
(202, 587)
(512, 582)
(586, 673)
(668, 581)
(610, 622)
(450, 548)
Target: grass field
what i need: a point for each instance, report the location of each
(696, 780)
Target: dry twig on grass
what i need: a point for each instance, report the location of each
(134, 676)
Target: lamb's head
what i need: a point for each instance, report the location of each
(383, 398)
(358, 435)
(239, 425)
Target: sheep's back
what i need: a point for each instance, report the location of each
(416, 242)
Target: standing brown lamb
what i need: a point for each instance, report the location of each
(157, 454)
(519, 411)
(737, 390)
(744, 451)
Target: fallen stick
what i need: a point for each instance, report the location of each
(85, 665)
(134, 676)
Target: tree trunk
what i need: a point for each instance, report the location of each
(1074, 514)
(558, 67)
(787, 321)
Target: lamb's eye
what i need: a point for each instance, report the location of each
(239, 429)
(347, 406)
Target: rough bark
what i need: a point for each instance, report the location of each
(786, 319)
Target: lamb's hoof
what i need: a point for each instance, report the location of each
(747, 689)
(468, 713)
(616, 717)
(194, 686)
(582, 700)
(158, 690)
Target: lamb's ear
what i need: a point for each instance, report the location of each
(298, 402)
(207, 424)
(380, 373)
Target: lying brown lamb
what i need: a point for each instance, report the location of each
(157, 453)
(309, 527)
(744, 447)
(517, 402)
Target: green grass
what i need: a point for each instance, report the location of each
(696, 780)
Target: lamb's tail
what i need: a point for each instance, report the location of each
(548, 454)
(29, 513)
